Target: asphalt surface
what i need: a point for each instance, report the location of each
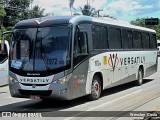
(123, 102)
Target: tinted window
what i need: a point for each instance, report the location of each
(145, 40)
(114, 38)
(153, 42)
(80, 44)
(127, 39)
(137, 40)
(47, 47)
(99, 36)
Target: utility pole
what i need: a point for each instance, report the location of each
(30, 9)
(88, 2)
(98, 12)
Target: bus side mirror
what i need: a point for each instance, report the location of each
(2, 44)
(3, 40)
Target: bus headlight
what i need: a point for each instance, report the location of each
(12, 79)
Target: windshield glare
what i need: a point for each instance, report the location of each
(41, 49)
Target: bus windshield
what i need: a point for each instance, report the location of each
(41, 49)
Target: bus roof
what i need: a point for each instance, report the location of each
(122, 24)
(43, 21)
(106, 20)
(52, 20)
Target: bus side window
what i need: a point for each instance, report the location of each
(115, 39)
(127, 39)
(83, 42)
(76, 45)
(137, 40)
(99, 37)
(80, 47)
(153, 41)
(145, 40)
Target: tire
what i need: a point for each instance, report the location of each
(139, 81)
(95, 88)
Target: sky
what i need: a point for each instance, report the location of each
(126, 10)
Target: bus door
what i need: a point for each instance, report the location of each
(115, 67)
(124, 75)
(117, 73)
(80, 59)
(4, 64)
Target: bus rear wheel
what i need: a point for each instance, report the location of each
(139, 81)
(95, 88)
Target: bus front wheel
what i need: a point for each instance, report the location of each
(139, 81)
(95, 88)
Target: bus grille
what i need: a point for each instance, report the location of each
(32, 92)
(34, 84)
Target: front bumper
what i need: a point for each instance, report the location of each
(53, 90)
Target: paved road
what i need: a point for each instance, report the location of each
(115, 103)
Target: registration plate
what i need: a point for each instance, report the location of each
(34, 96)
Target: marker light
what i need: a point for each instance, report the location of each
(63, 80)
(10, 78)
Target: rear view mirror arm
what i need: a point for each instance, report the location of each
(3, 40)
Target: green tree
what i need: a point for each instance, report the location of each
(71, 2)
(158, 32)
(88, 10)
(36, 12)
(2, 14)
(2, 11)
(18, 10)
(141, 22)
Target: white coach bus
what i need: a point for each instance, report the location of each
(66, 57)
(4, 63)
